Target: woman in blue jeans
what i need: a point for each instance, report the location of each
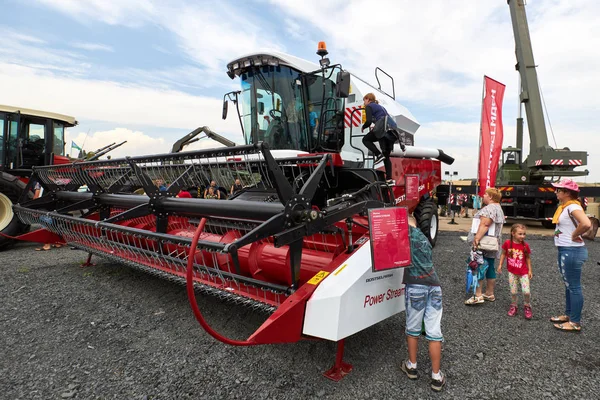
(571, 222)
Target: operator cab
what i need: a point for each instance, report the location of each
(31, 138)
(511, 156)
(289, 103)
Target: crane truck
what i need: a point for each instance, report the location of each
(525, 182)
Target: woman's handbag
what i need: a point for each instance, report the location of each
(488, 243)
(381, 127)
(590, 234)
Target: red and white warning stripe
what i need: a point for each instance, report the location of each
(355, 118)
(556, 162)
(585, 202)
(451, 199)
(575, 162)
(538, 162)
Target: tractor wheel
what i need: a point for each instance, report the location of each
(10, 191)
(548, 224)
(427, 219)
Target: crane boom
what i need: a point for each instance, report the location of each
(191, 138)
(543, 161)
(530, 91)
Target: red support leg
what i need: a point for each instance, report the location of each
(89, 262)
(340, 368)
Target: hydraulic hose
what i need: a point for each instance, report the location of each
(192, 295)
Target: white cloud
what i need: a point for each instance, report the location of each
(137, 142)
(294, 29)
(92, 46)
(209, 36)
(24, 49)
(10, 35)
(130, 13)
(111, 101)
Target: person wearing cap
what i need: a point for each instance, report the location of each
(571, 222)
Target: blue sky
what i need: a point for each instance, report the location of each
(150, 71)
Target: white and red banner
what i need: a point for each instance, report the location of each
(490, 146)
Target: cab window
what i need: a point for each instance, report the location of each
(59, 139)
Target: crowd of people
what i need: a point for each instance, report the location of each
(423, 295)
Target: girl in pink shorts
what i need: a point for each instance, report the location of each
(518, 262)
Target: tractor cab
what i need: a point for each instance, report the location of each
(31, 138)
(289, 103)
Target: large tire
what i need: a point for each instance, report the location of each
(10, 191)
(427, 220)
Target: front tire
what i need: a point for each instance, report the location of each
(10, 191)
(427, 220)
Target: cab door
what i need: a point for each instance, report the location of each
(34, 139)
(9, 140)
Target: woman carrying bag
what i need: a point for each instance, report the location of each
(486, 237)
(382, 132)
(571, 222)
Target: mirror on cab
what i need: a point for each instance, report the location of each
(261, 108)
(225, 103)
(342, 84)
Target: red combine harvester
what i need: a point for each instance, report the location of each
(294, 241)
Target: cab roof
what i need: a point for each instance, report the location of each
(269, 57)
(67, 120)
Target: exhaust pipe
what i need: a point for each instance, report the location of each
(422, 152)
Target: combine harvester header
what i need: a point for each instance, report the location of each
(294, 242)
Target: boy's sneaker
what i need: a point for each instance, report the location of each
(527, 312)
(378, 159)
(512, 311)
(438, 385)
(410, 372)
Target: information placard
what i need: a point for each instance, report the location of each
(411, 187)
(390, 240)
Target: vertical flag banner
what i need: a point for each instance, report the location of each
(490, 145)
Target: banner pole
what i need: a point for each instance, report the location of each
(480, 134)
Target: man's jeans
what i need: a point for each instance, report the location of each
(570, 261)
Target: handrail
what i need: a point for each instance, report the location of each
(389, 76)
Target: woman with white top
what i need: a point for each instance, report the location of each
(571, 222)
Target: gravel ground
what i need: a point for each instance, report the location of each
(111, 332)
